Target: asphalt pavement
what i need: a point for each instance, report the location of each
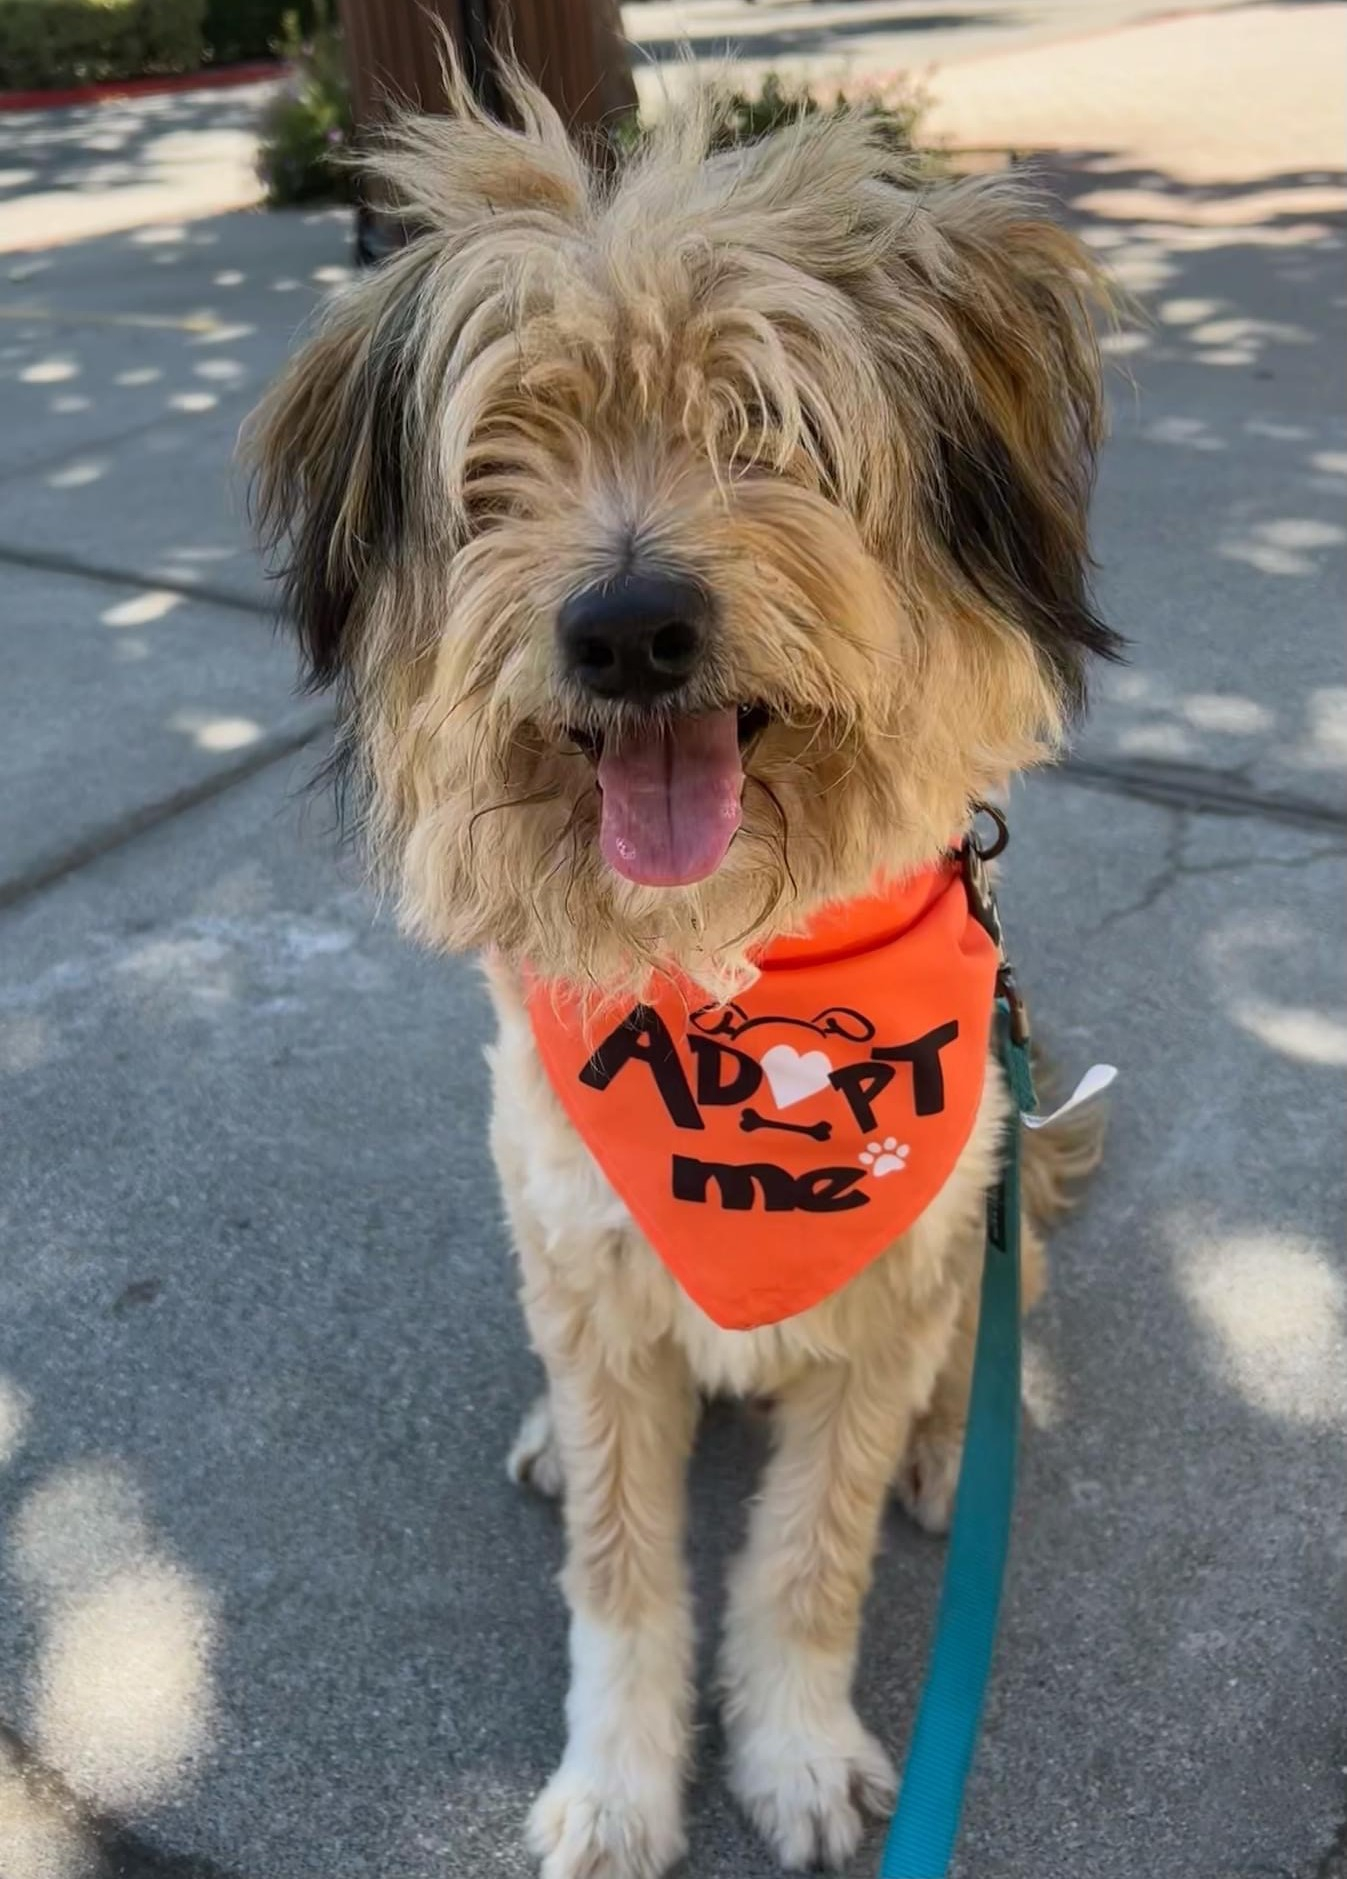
(269, 1608)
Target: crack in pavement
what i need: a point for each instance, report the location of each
(1177, 867)
(291, 734)
(1191, 787)
(303, 726)
(44, 562)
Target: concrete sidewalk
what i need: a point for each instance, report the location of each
(269, 1608)
(140, 621)
(1243, 95)
(90, 169)
(833, 42)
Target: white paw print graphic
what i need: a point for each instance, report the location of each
(886, 1157)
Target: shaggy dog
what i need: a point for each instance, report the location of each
(693, 543)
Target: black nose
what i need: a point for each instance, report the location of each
(635, 637)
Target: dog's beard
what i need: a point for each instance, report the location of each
(522, 863)
(515, 825)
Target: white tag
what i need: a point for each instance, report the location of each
(1095, 1081)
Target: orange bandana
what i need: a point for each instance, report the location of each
(769, 1149)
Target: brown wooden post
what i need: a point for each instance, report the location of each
(574, 49)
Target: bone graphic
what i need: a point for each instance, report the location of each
(819, 1131)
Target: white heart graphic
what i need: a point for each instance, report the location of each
(794, 1077)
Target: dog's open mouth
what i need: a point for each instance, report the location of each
(671, 790)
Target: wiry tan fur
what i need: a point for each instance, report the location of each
(860, 409)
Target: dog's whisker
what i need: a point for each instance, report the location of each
(481, 692)
(570, 852)
(509, 802)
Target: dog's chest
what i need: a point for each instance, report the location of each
(588, 1231)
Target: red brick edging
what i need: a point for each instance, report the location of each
(207, 80)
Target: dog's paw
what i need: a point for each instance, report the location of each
(928, 1479)
(534, 1461)
(808, 1791)
(586, 1824)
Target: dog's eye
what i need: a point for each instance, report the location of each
(765, 438)
(490, 493)
(752, 431)
(762, 417)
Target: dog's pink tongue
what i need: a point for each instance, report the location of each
(671, 799)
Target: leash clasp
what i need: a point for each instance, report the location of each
(1007, 989)
(974, 856)
(989, 851)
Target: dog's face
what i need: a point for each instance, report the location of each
(691, 545)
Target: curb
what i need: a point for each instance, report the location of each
(207, 80)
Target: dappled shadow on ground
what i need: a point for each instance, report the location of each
(1228, 466)
(121, 141)
(127, 365)
(117, 1695)
(1265, 251)
(137, 356)
(813, 32)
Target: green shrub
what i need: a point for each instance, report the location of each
(897, 107)
(306, 127)
(237, 30)
(51, 43)
(170, 35)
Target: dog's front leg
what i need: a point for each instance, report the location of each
(803, 1767)
(613, 1809)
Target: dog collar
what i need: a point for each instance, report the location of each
(770, 1148)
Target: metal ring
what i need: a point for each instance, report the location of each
(1002, 832)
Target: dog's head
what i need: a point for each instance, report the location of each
(690, 544)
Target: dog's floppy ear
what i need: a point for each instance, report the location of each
(1012, 464)
(328, 448)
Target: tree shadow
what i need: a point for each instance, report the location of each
(121, 141)
(752, 39)
(1226, 469)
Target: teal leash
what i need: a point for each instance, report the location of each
(924, 1828)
